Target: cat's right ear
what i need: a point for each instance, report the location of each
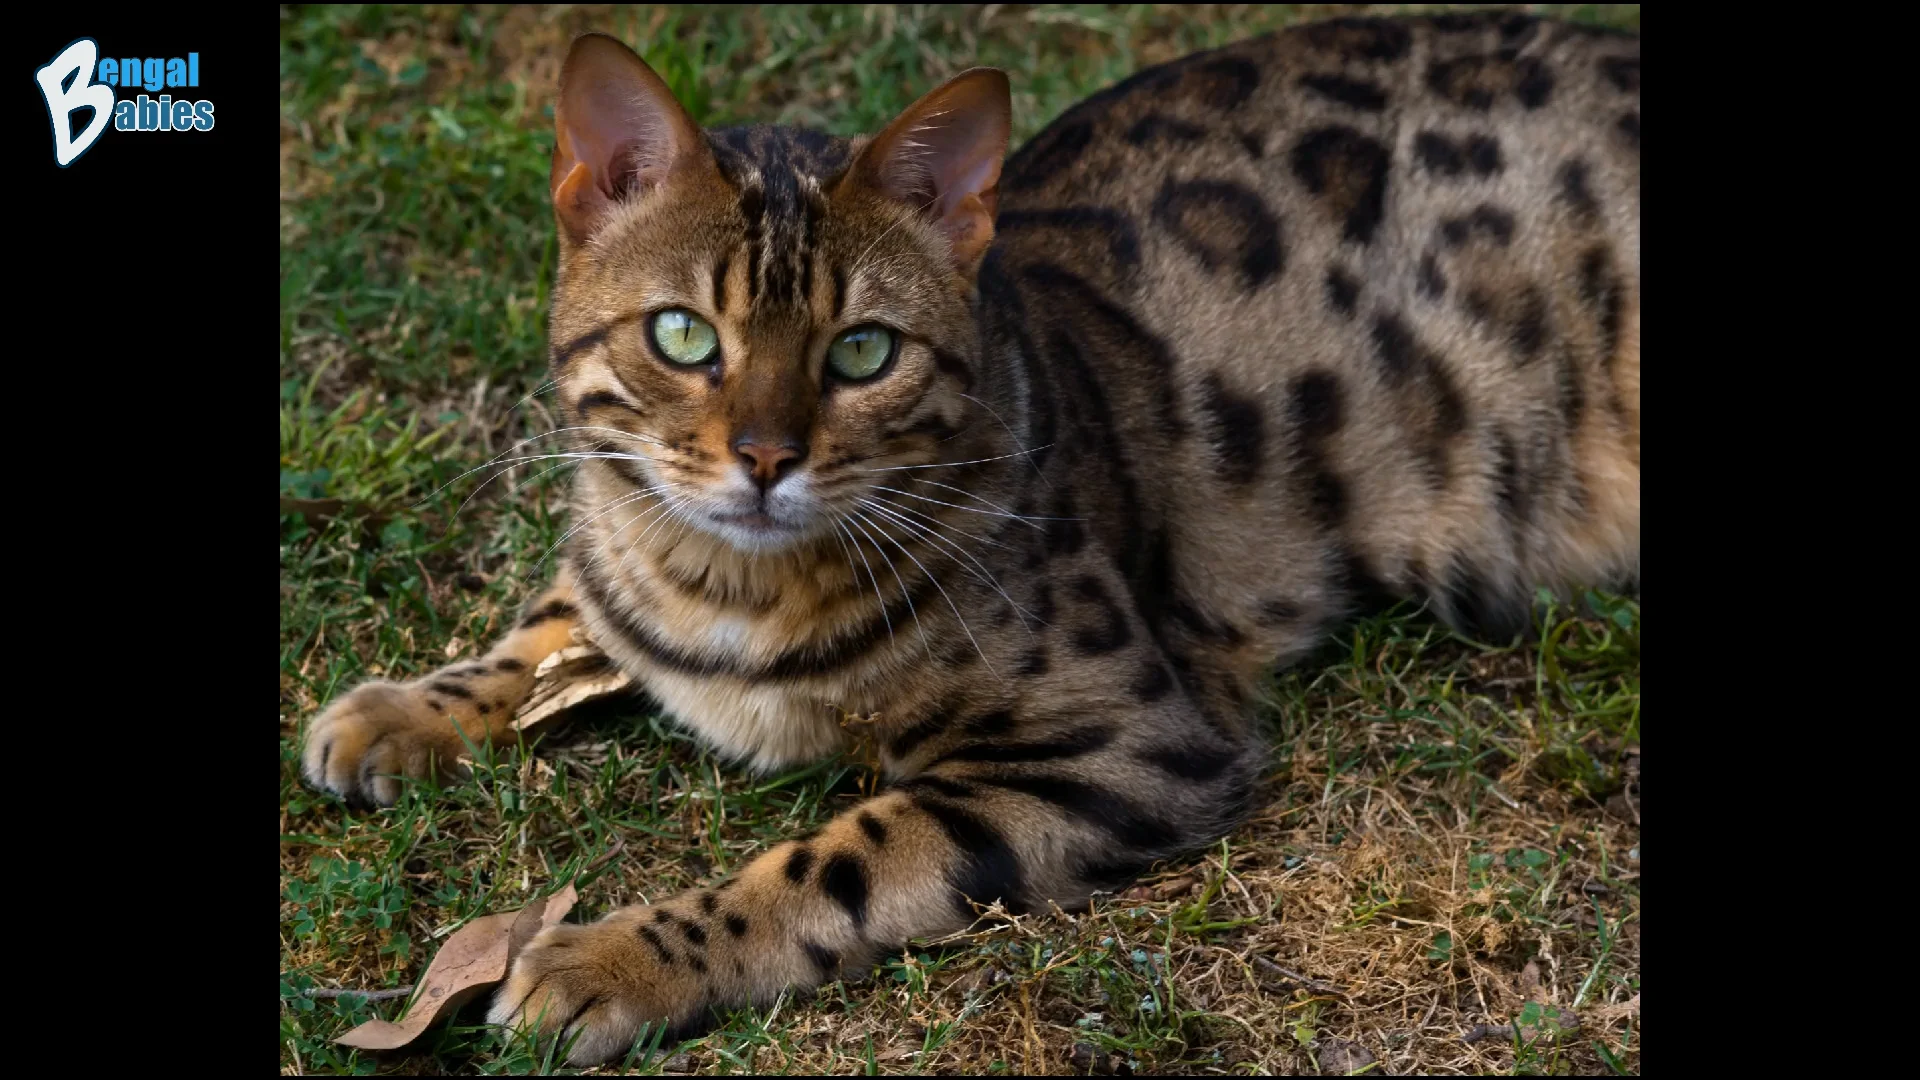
(617, 132)
(942, 157)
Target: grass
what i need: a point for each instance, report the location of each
(1451, 834)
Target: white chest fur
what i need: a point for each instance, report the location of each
(765, 726)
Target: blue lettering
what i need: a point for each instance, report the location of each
(150, 111)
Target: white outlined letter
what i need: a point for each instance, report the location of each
(75, 63)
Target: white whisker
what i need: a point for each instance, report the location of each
(643, 439)
(911, 610)
(956, 464)
(673, 513)
(1037, 471)
(543, 472)
(638, 540)
(843, 535)
(650, 512)
(550, 384)
(955, 608)
(997, 511)
(501, 458)
(612, 505)
(509, 463)
(944, 545)
(904, 508)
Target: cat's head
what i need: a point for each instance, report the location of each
(758, 320)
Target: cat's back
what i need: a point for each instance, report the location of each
(1367, 89)
(1363, 293)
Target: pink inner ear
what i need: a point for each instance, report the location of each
(619, 119)
(622, 135)
(972, 176)
(947, 146)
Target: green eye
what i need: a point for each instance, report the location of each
(858, 354)
(684, 338)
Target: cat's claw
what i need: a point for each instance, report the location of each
(362, 745)
(592, 987)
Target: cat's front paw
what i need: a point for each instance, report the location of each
(597, 984)
(380, 731)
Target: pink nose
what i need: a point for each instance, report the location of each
(767, 464)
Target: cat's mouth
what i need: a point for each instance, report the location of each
(755, 530)
(756, 520)
(761, 521)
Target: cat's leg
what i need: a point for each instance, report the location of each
(1023, 818)
(382, 730)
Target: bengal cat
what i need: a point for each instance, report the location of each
(1046, 463)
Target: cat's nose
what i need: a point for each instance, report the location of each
(767, 464)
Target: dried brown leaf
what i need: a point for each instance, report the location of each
(475, 959)
(1338, 1057)
(1530, 981)
(569, 678)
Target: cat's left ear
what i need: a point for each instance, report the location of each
(942, 156)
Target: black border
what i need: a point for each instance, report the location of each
(149, 309)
